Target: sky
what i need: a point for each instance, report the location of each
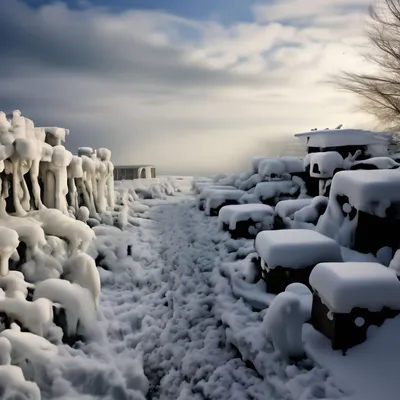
(191, 86)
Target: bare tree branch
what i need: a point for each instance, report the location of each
(380, 91)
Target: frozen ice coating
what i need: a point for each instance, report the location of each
(14, 285)
(32, 315)
(85, 151)
(81, 269)
(324, 164)
(28, 346)
(366, 189)
(295, 248)
(343, 286)
(287, 208)
(9, 241)
(232, 214)
(77, 301)
(13, 383)
(76, 233)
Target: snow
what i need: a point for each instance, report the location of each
(379, 162)
(343, 286)
(283, 323)
(78, 302)
(8, 245)
(280, 166)
(232, 214)
(295, 248)
(325, 163)
(14, 386)
(218, 197)
(287, 208)
(341, 137)
(367, 189)
(269, 190)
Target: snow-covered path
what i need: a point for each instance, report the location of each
(186, 354)
(170, 326)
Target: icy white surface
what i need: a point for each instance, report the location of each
(343, 286)
(287, 208)
(232, 214)
(295, 248)
(326, 163)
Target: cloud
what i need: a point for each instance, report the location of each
(193, 96)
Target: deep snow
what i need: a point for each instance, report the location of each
(180, 319)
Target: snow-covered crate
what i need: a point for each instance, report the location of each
(205, 191)
(272, 192)
(350, 297)
(346, 141)
(246, 220)
(220, 198)
(288, 256)
(372, 199)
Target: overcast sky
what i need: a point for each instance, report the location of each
(192, 86)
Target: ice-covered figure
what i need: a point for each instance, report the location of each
(74, 172)
(81, 269)
(283, 324)
(8, 245)
(55, 181)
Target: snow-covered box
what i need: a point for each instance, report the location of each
(289, 255)
(272, 192)
(349, 297)
(346, 141)
(370, 201)
(246, 220)
(321, 167)
(220, 198)
(206, 190)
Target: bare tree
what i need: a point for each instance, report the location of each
(380, 90)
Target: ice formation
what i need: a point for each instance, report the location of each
(47, 197)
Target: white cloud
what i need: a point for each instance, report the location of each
(194, 96)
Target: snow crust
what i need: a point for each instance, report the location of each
(343, 286)
(296, 248)
(379, 162)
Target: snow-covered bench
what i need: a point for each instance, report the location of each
(364, 210)
(289, 255)
(246, 220)
(220, 198)
(349, 297)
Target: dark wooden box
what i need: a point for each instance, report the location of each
(341, 329)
